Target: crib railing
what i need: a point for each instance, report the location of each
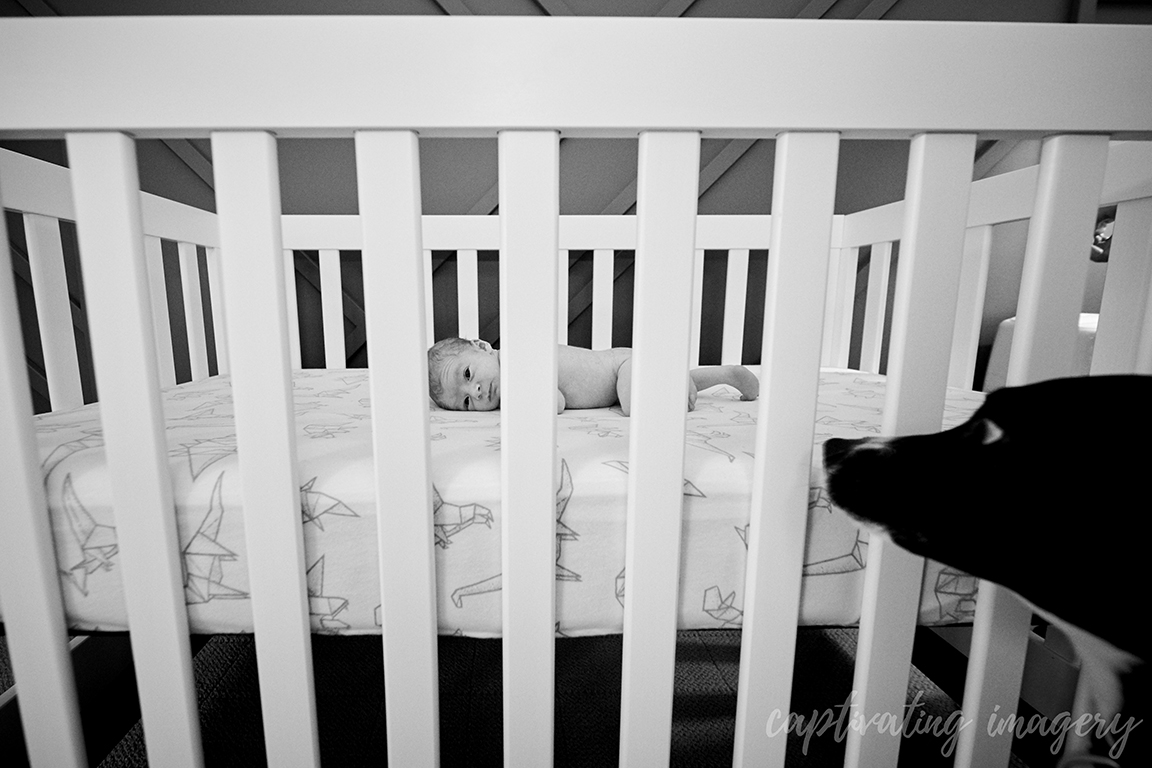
(40, 192)
(84, 67)
(27, 183)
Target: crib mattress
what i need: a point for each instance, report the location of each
(338, 512)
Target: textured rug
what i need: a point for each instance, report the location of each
(350, 703)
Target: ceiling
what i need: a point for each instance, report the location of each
(1055, 11)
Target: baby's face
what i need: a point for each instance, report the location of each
(471, 380)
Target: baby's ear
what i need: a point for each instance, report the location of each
(482, 345)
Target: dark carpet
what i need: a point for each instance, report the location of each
(350, 704)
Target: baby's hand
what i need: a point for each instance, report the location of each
(691, 394)
(560, 402)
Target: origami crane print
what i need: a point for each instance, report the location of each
(959, 590)
(314, 505)
(91, 545)
(93, 438)
(449, 519)
(690, 488)
(563, 533)
(722, 608)
(324, 608)
(204, 453)
(698, 438)
(204, 557)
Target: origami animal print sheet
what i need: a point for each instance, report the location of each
(338, 512)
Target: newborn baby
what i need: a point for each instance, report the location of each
(464, 375)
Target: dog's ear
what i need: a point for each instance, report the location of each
(988, 431)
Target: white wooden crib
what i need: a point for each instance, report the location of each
(99, 82)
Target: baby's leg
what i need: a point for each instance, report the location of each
(734, 375)
(624, 386)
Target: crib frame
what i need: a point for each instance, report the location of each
(514, 78)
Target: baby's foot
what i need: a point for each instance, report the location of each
(744, 380)
(733, 375)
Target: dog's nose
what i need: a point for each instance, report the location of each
(835, 449)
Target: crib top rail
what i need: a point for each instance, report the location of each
(589, 76)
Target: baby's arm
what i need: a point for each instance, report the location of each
(734, 375)
(700, 378)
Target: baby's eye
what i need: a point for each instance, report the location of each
(467, 374)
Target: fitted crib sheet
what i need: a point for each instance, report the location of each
(338, 512)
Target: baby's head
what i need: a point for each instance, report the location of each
(464, 375)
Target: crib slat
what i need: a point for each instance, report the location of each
(193, 310)
(697, 307)
(927, 284)
(219, 324)
(429, 304)
(161, 327)
(802, 202)
(1055, 270)
(828, 343)
(388, 180)
(248, 202)
(562, 299)
(844, 301)
(468, 294)
(992, 680)
(666, 234)
(107, 196)
(735, 297)
(970, 306)
(1051, 292)
(529, 166)
(53, 310)
(29, 583)
(293, 308)
(1125, 326)
(332, 308)
(603, 269)
(875, 307)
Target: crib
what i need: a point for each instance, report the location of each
(804, 84)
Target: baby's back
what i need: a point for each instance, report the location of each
(587, 377)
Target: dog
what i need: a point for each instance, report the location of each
(1039, 491)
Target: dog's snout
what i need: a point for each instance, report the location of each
(838, 449)
(835, 449)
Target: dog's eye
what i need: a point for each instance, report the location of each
(988, 432)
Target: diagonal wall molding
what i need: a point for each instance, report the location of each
(815, 9)
(992, 155)
(625, 202)
(876, 9)
(192, 157)
(453, 7)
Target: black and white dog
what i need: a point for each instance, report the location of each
(1040, 491)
